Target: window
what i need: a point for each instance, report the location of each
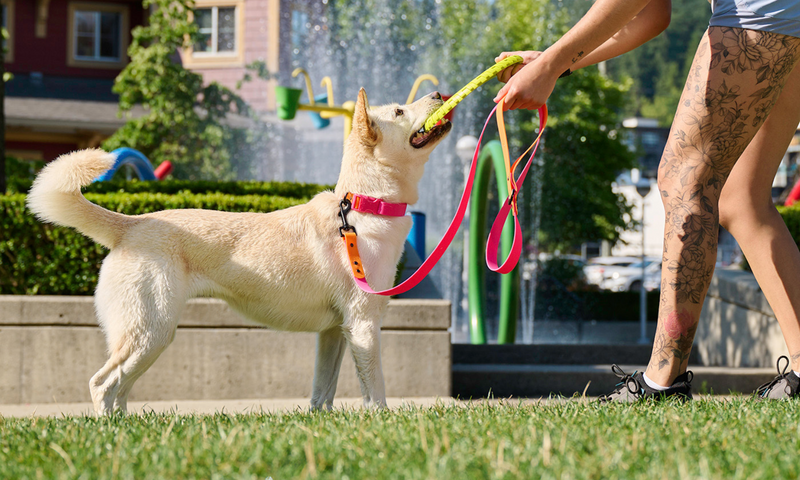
(650, 139)
(217, 26)
(220, 42)
(98, 35)
(8, 24)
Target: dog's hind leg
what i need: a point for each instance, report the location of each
(139, 324)
(104, 385)
(330, 350)
(363, 335)
(130, 358)
(133, 368)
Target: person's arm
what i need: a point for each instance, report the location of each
(532, 84)
(651, 21)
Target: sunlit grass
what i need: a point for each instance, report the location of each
(737, 438)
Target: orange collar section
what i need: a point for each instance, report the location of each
(351, 243)
(376, 206)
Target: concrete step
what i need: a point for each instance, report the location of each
(553, 354)
(526, 381)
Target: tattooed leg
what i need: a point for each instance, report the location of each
(735, 79)
(747, 212)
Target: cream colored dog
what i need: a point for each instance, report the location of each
(288, 269)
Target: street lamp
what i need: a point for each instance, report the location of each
(642, 188)
(465, 147)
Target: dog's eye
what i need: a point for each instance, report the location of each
(398, 112)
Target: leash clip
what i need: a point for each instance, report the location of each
(344, 208)
(512, 199)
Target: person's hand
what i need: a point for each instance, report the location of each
(529, 87)
(507, 73)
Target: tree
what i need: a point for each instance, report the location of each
(185, 121)
(4, 36)
(583, 156)
(659, 67)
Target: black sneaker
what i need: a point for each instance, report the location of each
(633, 388)
(785, 385)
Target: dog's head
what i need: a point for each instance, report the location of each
(387, 149)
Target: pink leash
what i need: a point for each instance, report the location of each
(493, 241)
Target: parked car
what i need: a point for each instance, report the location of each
(629, 279)
(600, 269)
(652, 282)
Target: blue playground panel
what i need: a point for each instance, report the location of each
(136, 159)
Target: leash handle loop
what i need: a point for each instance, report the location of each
(510, 206)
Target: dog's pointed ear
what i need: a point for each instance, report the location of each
(363, 126)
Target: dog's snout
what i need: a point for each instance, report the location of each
(436, 95)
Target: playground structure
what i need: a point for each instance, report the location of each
(490, 160)
(323, 107)
(288, 103)
(139, 163)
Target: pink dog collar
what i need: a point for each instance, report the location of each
(376, 206)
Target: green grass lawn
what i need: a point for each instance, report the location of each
(737, 438)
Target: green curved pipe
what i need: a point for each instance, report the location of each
(509, 284)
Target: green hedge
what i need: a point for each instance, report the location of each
(282, 189)
(599, 305)
(44, 259)
(20, 174)
(18, 184)
(791, 215)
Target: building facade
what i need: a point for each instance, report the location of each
(64, 56)
(235, 34)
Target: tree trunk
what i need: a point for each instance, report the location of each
(3, 183)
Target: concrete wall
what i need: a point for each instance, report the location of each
(737, 327)
(51, 346)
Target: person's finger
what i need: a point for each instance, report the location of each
(503, 75)
(509, 72)
(504, 55)
(501, 56)
(533, 104)
(510, 98)
(502, 93)
(511, 105)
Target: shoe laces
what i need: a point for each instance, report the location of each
(626, 380)
(764, 389)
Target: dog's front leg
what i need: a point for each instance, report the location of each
(364, 339)
(330, 350)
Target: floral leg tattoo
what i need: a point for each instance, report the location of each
(676, 340)
(736, 78)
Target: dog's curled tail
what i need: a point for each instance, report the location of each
(56, 197)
